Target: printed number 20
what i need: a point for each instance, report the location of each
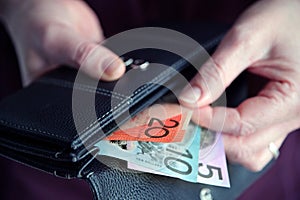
(163, 127)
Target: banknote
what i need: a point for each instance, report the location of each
(159, 123)
(177, 159)
(212, 166)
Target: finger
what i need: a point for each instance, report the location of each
(78, 51)
(259, 160)
(239, 49)
(275, 103)
(253, 151)
(99, 62)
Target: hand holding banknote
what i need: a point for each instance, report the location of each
(259, 43)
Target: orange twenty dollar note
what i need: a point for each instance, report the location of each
(158, 123)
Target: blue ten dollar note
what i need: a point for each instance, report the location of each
(178, 159)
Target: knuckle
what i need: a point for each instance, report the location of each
(213, 78)
(220, 72)
(238, 125)
(243, 155)
(241, 36)
(246, 128)
(50, 33)
(82, 51)
(283, 95)
(279, 91)
(287, 92)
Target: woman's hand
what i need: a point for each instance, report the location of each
(265, 41)
(49, 33)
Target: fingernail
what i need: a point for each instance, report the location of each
(114, 67)
(190, 95)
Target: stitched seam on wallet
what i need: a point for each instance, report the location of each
(23, 127)
(87, 88)
(84, 87)
(100, 118)
(155, 80)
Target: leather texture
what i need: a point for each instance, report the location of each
(109, 179)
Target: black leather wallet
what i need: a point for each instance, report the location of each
(37, 123)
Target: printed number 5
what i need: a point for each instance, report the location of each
(210, 173)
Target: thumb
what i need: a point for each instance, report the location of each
(238, 50)
(98, 61)
(94, 59)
